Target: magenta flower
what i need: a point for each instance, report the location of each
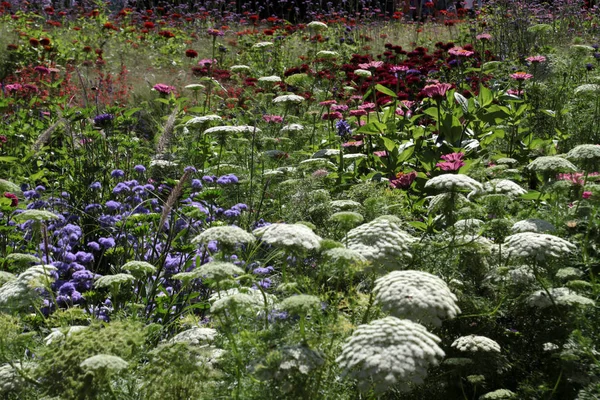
(586, 195)
(521, 76)
(276, 119)
(41, 69)
(403, 180)
(371, 65)
(215, 32)
(536, 59)
(484, 37)
(437, 91)
(332, 116)
(367, 106)
(460, 52)
(164, 89)
(452, 162)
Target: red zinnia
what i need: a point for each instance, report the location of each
(14, 199)
(191, 53)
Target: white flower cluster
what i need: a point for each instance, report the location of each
(584, 152)
(533, 225)
(562, 296)
(551, 164)
(21, 258)
(6, 277)
(103, 362)
(196, 336)
(503, 186)
(113, 280)
(453, 183)
(20, 292)
(261, 45)
(536, 245)
(35, 215)
(300, 358)
(440, 201)
(196, 121)
(194, 86)
(381, 241)
(238, 301)
(416, 295)
(238, 68)
(388, 352)
(224, 129)
(57, 334)
(500, 394)
(587, 88)
(317, 25)
(363, 73)
(301, 304)
(521, 275)
(292, 128)
(229, 236)
(218, 270)
(344, 255)
(138, 267)
(10, 379)
(289, 98)
(474, 343)
(162, 163)
(345, 205)
(271, 78)
(470, 225)
(327, 54)
(289, 236)
(569, 273)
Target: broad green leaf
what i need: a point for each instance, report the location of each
(384, 90)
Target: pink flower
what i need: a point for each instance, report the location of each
(515, 92)
(320, 173)
(381, 153)
(276, 119)
(521, 76)
(586, 195)
(355, 143)
(15, 87)
(206, 62)
(436, 91)
(371, 65)
(357, 113)
(367, 106)
(41, 69)
(452, 162)
(164, 89)
(214, 32)
(397, 69)
(484, 37)
(332, 116)
(460, 52)
(339, 107)
(327, 103)
(536, 59)
(403, 180)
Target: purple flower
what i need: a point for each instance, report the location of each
(96, 185)
(189, 168)
(40, 188)
(103, 119)
(343, 128)
(209, 179)
(112, 205)
(196, 184)
(117, 173)
(262, 270)
(66, 289)
(92, 207)
(107, 243)
(84, 257)
(139, 169)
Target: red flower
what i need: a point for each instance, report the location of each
(403, 180)
(149, 25)
(44, 41)
(34, 42)
(190, 53)
(14, 199)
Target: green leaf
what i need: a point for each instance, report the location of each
(8, 159)
(406, 153)
(389, 144)
(531, 195)
(372, 128)
(129, 113)
(384, 90)
(462, 100)
(485, 96)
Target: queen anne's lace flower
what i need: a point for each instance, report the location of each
(8, 186)
(453, 183)
(440, 201)
(562, 296)
(416, 295)
(302, 304)
(289, 98)
(21, 258)
(569, 273)
(537, 245)
(533, 225)
(225, 129)
(345, 205)
(218, 270)
(503, 186)
(584, 152)
(470, 225)
(522, 275)
(238, 68)
(196, 336)
(35, 215)
(103, 362)
(116, 279)
(388, 352)
(500, 394)
(292, 128)
(474, 343)
(347, 218)
(507, 160)
(197, 121)
(10, 379)
(57, 334)
(19, 292)
(291, 236)
(6, 277)
(317, 25)
(381, 241)
(327, 54)
(551, 164)
(261, 45)
(342, 254)
(271, 78)
(138, 267)
(363, 73)
(229, 236)
(239, 301)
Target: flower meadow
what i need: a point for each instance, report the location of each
(351, 200)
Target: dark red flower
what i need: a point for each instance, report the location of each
(14, 199)
(191, 53)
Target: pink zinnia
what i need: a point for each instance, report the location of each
(357, 113)
(403, 180)
(41, 69)
(515, 92)
(585, 195)
(339, 107)
(371, 65)
(436, 91)
(273, 118)
(452, 162)
(205, 62)
(460, 52)
(332, 115)
(367, 106)
(536, 59)
(484, 37)
(355, 143)
(14, 87)
(327, 103)
(521, 76)
(164, 89)
(381, 153)
(396, 69)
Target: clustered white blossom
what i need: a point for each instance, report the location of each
(194, 86)
(468, 225)
(196, 336)
(562, 296)
(138, 267)
(569, 273)
(238, 301)
(261, 45)
(218, 270)
(162, 163)
(475, 343)
(10, 379)
(21, 258)
(237, 68)
(538, 246)
(503, 186)
(57, 334)
(6, 277)
(21, 291)
(347, 217)
(229, 236)
(381, 241)
(533, 225)
(317, 25)
(289, 98)
(202, 120)
(292, 128)
(453, 183)
(289, 236)
(363, 73)
(301, 304)
(416, 295)
(103, 362)
(327, 54)
(326, 153)
(345, 205)
(224, 129)
(388, 352)
(551, 164)
(500, 394)
(342, 254)
(300, 358)
(35, 215)
(440, 201)
(271, 78)
(521, 275)
(113, 280)
(507, 161)
(584, 152)
(587, 88)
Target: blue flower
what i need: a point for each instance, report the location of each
(343, 128)
(196, 184)
(107, 243)
(139, 169)
(96, 185)
(190, 169)
(262, 270)
(208, 178)
(113, 205)
(103, 119)
(117, 173)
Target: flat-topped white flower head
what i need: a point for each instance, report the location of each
(138, 267)
(290, 236)
(271, 78)
(35, 215)
(196, 336)
(475, 343)
(500, 394)
(327, 54)
(453, 183)
(533, 225)
(218, 270)
(103, 362)
(416, 295)
(292, 128)
(363, 73)
(239, 68)
(116, 280)
(198, 121)
(225, 129)
(561, 296)
(317, 25)
(229, 236)
(551, 164)
(503, 186)
(288, 98)
(301, 304)
(538, 246)
(584, 152)
(381, 241)
(262, 45)
(389, 352)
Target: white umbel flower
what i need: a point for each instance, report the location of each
(103, 362)
(194, 86)
(416, 295)
(288, 98)
(344, 255)
(292, 128)
(20, 292)
(57, 334)
(262, 45)
(291, 236)
(225, 129)
(475, 343)
(470, 225)
(584, 152)
(500, 394)
(533, 225)
(503, 186)
(271, 78)
(363, 73)
(239, 68)
(453, 183)
(22, 258)
(301, 304)
(10, 380)
(551, 164)
(138, 267)
(35, 215)
(327, 54)
(562, 296)
(239, 301)
(113, 280)
(196, 336)
(388, 352)
(197, 121)
(345, 205)
(218, 270)
(225, 235)
(537, 245)
(317, 25)
(381, 241)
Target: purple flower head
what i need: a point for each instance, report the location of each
(189, 168)
(84, 257)
(139, 169)
(117, 173)
(103, 119)
(112, 205)
(40, 188)
(67, 289)
(452, 162)
(96, 185)
(262, 270)
(164, 89)
(196, 184)
(209, 179)
(227, 179)
(107, 243)
(343, 128)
